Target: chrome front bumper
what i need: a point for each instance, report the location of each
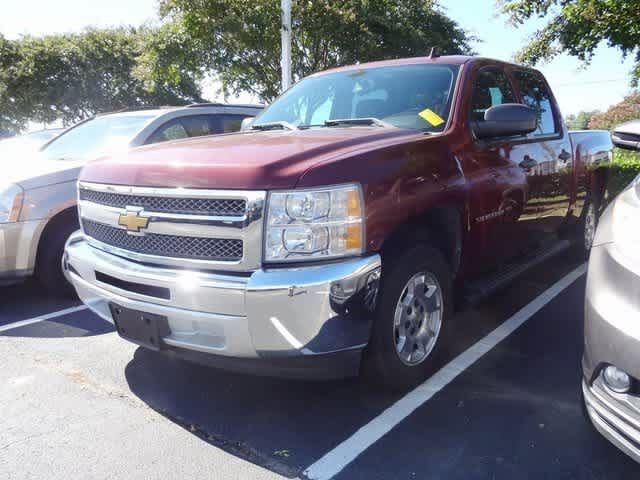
(615, 416)
(279, 312)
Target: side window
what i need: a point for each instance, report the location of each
(197, 125)
(229, 123)
(536, 95)
(172, 130)
(491, 87)
(184, 127)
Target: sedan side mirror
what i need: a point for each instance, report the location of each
(506, 120)
(246, 123)
(627, 135)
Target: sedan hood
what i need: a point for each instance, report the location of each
(35, 171)
(247, 160)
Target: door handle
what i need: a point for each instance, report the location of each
(527, 163)
(564, 155)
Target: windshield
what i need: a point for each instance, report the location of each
(101, 135)
(29, 142)
(406, 96)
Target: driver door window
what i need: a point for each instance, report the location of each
(490, 88)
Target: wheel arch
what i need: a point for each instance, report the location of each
(63, 217)
(441, 226)
(598, 183)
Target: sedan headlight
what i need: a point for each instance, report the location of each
(626, 220)
(314, 224)
(10, 203)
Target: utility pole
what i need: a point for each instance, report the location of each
(285, 62)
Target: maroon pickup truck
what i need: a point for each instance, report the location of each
(340, 231)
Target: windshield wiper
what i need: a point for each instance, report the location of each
(274, 126)
(357, 121)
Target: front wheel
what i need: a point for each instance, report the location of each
(49, 261)
(413, 322)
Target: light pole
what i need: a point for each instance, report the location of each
(285, 62)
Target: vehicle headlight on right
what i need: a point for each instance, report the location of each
(626, 220)
(11, 197)
(314, 224)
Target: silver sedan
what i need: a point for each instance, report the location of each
(611, 362)
(38, 191)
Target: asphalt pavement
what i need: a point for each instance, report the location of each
(79, 402)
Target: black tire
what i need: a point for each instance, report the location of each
(591, 207)
(381, 362)
(49, 261)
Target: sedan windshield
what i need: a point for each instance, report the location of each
(406, 96)
(101, 135)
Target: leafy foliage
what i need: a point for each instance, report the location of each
(624, 168)
(74, 76)
(580, 121)
(241, 40)
(577, 27)
(627, 109)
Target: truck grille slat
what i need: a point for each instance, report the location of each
(223, 207)
(200, 248)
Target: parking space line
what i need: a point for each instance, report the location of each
(346, 452)
(42, 318)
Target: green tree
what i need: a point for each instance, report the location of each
(580, 121)
(71, 77)
(10, 119)
(627, 109)
(241, 40)
(577, 27)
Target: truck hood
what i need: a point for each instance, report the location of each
(35, 171)
(246, 160)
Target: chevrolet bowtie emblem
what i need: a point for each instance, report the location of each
(133, 221)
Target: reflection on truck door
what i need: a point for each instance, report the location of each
(549, 164)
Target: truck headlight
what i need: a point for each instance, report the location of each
(314, 224)
(626, 220)
(11, 197)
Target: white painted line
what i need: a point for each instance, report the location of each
(334, 461)
(42, 318)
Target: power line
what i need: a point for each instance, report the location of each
(591, 82)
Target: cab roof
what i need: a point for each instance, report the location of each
(436, 60)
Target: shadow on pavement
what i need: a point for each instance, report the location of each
(286, 425)
(282, 425)
(28, 300)
(78, 324)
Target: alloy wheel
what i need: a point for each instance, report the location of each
(590, 223)
(418, 318)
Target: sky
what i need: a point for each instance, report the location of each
(595, 87)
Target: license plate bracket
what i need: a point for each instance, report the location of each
(143, 328)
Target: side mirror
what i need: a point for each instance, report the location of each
(246, 123)
(507, 120)
(627, 135)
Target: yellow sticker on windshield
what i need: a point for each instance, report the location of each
(432, 117)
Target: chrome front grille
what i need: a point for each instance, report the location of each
(220, 249)
(175, 227)
(224, 207)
